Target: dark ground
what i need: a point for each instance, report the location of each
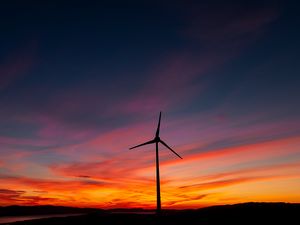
(42, 210)
(247, 213)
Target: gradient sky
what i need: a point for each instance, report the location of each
(82, 82)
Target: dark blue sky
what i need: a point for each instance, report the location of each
(92, 65)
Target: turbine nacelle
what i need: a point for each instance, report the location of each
(156, 139)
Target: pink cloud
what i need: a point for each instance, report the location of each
(111, 149)
(51, 129)
(171, 82)
(4, 140)
(267, 150)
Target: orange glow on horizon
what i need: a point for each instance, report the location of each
(222, 176)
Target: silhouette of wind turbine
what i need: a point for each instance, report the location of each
(157, 140)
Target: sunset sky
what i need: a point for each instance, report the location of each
(82, 82)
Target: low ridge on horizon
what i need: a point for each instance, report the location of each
(246, 213)
(149, 209)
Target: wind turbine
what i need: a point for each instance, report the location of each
(157, 140)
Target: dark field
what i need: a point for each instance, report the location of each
(248, 213)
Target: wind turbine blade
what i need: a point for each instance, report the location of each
(146, 143)
(158, 125)
(169, 148)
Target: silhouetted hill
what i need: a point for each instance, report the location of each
(247, 213)
(42, 210)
